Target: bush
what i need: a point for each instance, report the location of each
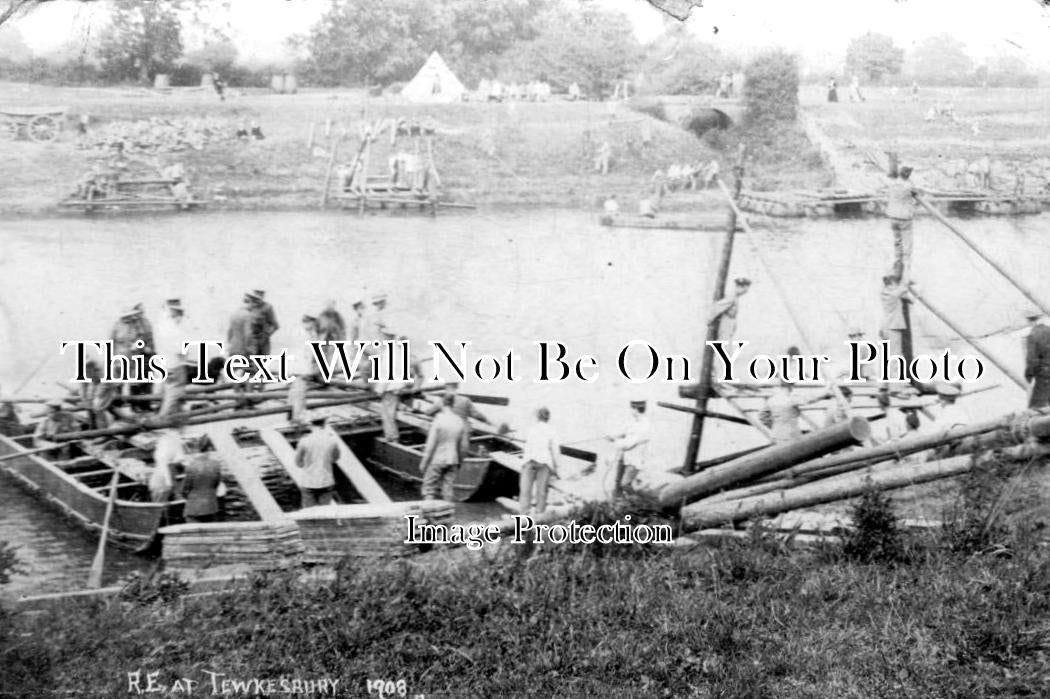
(875, 537)
(771, 88)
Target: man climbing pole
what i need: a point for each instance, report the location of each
(900, 209)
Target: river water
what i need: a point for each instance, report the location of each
(502, 281)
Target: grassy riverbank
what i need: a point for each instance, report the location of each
(945, 614)
(487, 154)
(1009, 125)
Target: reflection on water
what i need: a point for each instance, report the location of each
(502, 283)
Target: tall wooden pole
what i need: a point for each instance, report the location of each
(792, 314)
(707, 358)
(1029, 294)
(775, 458)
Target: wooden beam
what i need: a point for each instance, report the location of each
(356, 472)
(283, 452)
(247, 477)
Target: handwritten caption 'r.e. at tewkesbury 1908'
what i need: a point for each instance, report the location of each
(637, 361)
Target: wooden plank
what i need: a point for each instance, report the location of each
(357, 474)
(283, 452)
(247, 477)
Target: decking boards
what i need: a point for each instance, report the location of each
(247, 477)
(356, 472)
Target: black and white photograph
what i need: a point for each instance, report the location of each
(407, 349)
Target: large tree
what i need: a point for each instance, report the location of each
(366, 42)
(143, 37)
(585, 45)
(874, 56)
(941, 59)
(771, 88)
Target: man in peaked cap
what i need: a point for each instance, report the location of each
(1037, 360)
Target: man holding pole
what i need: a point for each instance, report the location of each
(630, 447)
(725, 310)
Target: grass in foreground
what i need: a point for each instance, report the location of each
(932, 619)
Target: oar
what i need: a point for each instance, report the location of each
(95, 575)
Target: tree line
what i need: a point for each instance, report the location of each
(366, 43)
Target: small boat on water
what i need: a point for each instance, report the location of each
(78, 485)
(480, 477)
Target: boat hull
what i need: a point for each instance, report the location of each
(479, 478)
(132, 524)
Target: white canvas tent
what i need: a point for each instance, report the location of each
(434, 83)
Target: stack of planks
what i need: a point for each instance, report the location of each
(254, 545)
(331, 532)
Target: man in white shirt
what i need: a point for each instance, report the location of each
(168, 451)
(169, 337)
(303, 366)
(541, 462)
(316, 454)
(631, 447)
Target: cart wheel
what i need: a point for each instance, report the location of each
(43, 129)
(8, 129)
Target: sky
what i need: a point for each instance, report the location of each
(819, 30)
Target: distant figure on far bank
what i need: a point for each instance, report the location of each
(603, 158)
(1037, 361)
(854, 90)
(833, 90)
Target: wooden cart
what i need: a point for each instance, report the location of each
(40, 124)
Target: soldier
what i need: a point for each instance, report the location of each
(132, 337)
(316, 454)
(201, 484)
(442, 453)
(264, 323)
(893, 326)
(540, 462)
(1037, 361)
(303, 368)
(630, 447)
(725, 310)
(900, 209)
